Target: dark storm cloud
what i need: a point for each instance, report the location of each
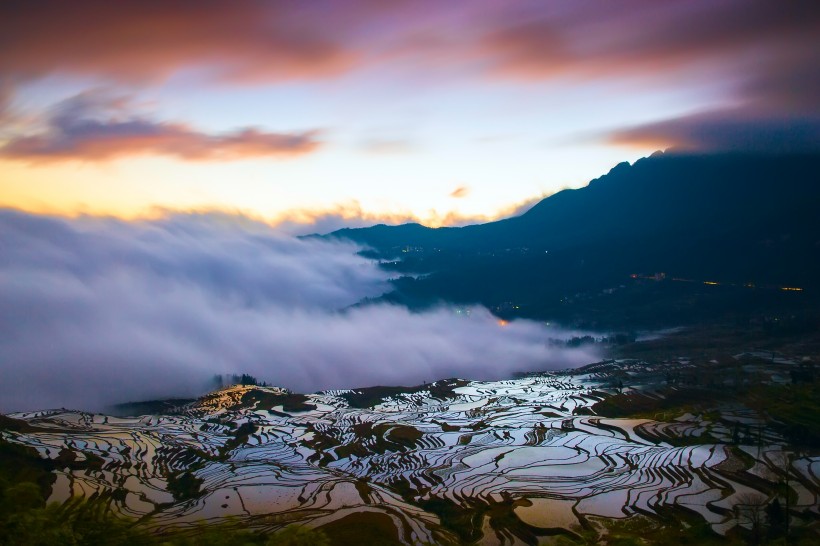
(776, 111)
(726, 131)
(95, 126)
(768, 51)
(98, 311)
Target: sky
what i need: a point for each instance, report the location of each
(313, 115)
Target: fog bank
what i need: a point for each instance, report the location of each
(96, 311)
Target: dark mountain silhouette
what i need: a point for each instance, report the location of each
(737, 220)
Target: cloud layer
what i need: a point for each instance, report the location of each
(251, 41)
(98, 311)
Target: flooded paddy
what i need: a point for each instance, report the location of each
(528, 453)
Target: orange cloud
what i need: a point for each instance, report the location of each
(135, 40)
(252, 41)
(454, 219)
(304, 221)
(95, 127)
(110, 141)
(459, 192)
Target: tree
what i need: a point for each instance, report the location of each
(750, 512)
(780, 466)
(777, 518)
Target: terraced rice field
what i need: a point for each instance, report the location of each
(466, 462)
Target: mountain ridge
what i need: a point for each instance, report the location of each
(745, 219)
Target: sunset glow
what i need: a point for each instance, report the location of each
(288, 110)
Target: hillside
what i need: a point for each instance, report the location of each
(737, 220)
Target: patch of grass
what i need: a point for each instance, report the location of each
(463, 521)
(20, 464)
(17, 425)
(643, 530)
(79, 521)
(466, 520)
(675, 402)
(150, 407)
(362, 528)
(446, 427)
(90, 522)
(184, 486)
(68, 459)
(404, 434)
(372, 396)
(379, 439)
(794, 407)
(363, 489)
(240, 436)
(264, 400)
(445, 388)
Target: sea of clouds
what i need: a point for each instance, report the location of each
(98, 311)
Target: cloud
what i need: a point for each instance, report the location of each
(455, 219)
(6, 95)
(95, 126)
(775, 110)
(388, 146)
(135, 41)
(352, 215)
(95, 311)
(247, 41)
(459, 192)
(760, 52)
(726, 130)
(764, 53)
(344, 215)
(594, 40)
